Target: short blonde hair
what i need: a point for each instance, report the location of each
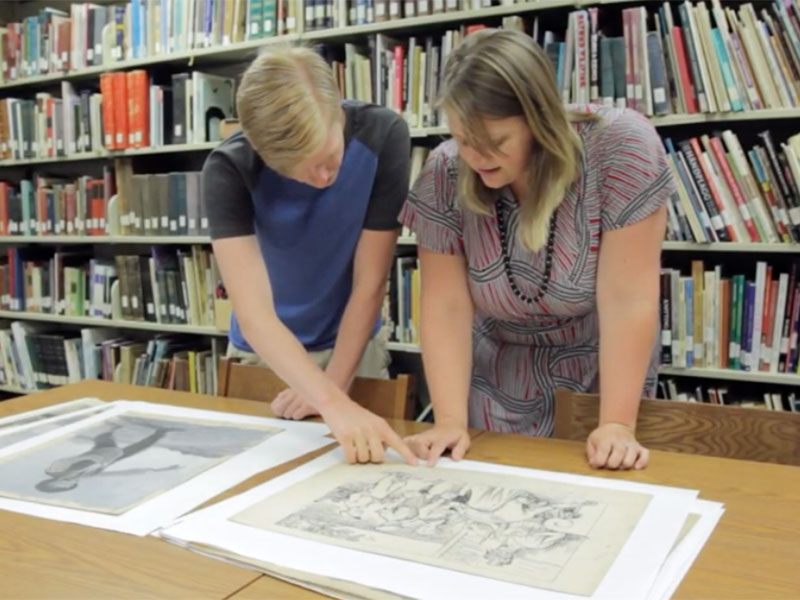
(287, 101)
(495, 74)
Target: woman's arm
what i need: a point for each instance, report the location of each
(361, 433)
(627, 303)
(446, 336)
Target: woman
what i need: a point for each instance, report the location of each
(539, 231)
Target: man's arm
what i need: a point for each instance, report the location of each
(361, 433)
(371, 265)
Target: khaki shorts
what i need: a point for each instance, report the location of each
(374, 363)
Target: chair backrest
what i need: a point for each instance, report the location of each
(709, 429)
(388, 398)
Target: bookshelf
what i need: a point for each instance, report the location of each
(418, 133)
(732, 375)
(147, 240)
(12, 389)
(111, 323)
(234, 55)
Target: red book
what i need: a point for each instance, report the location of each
(399, 57)
(142, 91)
(690, 96)
(726, 218)
(719, 153)
(474, 28)
(98, 208)
(107, 109)
(119, 93)
(770, 304)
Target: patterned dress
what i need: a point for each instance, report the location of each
(521, 352)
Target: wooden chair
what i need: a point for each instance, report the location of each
(388, 398)
(713, 430)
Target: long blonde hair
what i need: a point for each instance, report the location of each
(495, 74)
(287, 102)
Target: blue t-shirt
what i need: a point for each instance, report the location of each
(308, 236)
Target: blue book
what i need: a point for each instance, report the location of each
(135, 28)
(688, 286)
(727, 73)
(562, 50)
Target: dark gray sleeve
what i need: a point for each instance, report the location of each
(226, 198)
(391, 181)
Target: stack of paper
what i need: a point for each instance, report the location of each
(466, 530)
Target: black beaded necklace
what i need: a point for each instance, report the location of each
(548, 259)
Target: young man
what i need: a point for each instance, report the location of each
(303, 206)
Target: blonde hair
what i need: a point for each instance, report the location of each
(495, 74)
(287, 101)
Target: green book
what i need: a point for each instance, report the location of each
(269, 18)
(26, 192)
(737, 310)
(255, 19)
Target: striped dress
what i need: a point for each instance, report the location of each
(521, 352)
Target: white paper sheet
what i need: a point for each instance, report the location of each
(680, 560)
(631, 576)
(46, 422)
(47, 412)
(295, 440)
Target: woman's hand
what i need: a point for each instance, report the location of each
(363, 434)
(431, 444)
(614, 446)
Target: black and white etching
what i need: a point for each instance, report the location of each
(557, 536)
(113, 465)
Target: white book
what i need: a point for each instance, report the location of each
(713, 61)
(709, 321)
(780, 314)
(758, 315)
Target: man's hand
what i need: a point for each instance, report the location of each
(363, 434)
(289, 405)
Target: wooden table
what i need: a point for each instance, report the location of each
(752, 553)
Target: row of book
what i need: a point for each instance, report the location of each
(726, 194)
(165, 286)
(128, 111)
(56, 206)
(326, 14)
(56, 41)
(704, 60)
(163, 204)
(35, 356)
(160, 204)
(669, 389)
(731, 322)
(401, 74)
